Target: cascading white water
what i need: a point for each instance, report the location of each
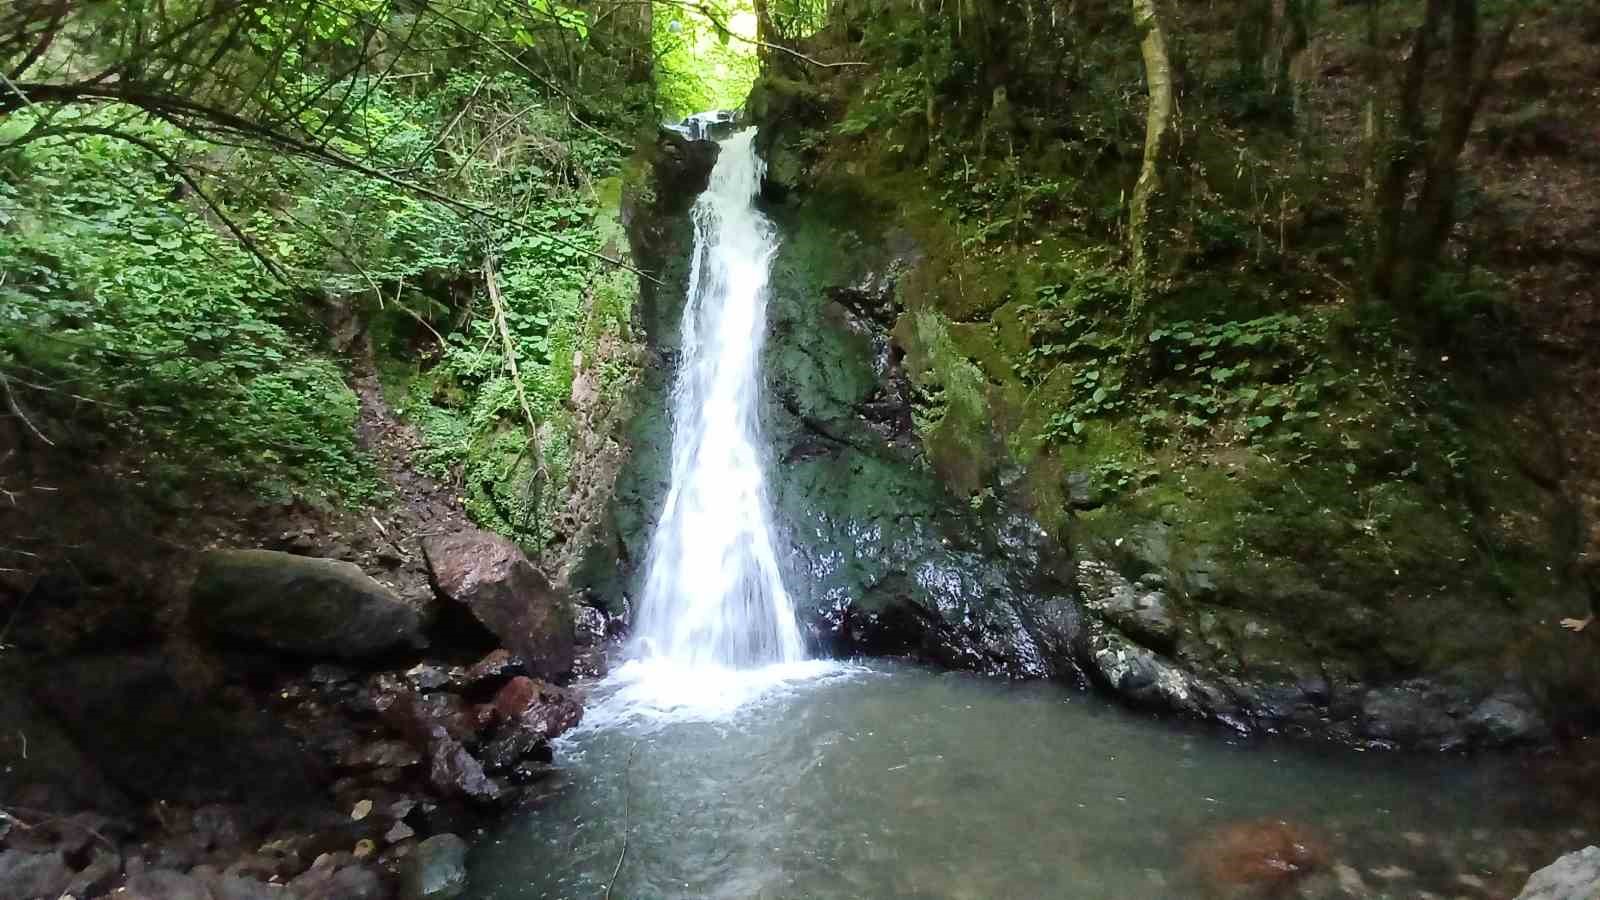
(713, 593)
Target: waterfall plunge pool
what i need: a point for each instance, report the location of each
(889, 781)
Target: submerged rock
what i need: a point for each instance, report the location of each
(300, 605)
(435, 870)
(491, 577)
(1267, 855)
(1575, 876)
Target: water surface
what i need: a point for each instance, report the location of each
(895, 782)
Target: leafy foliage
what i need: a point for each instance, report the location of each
(186, 260)
(165, 322)
(703, 62)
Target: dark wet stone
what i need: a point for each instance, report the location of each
(496, 667)
(54, 775)
(94, 879)
(428, 677)
(435, 870)
(1143, 615)
(456, 773)
(216, 826)
(26, 875)
(1507, 717)
(349, 882)
(590, 626)
(513, 746)
(158, 735)
(263, 866)
(163, 884)
(590, 662)
(1417, 712)
(419, 717)
(329, 674)
(235, 887)
(380, 755)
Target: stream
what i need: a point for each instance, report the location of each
(885, 780)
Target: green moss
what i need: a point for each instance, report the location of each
(953, 416)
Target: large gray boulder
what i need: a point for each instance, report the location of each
(1575, 876)
(300, 605)
(491, 577)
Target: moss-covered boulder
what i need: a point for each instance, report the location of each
(300, 605)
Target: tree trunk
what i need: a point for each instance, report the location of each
(1151, 194)
(1410, 238)
(1436, 204)
(1403, 151)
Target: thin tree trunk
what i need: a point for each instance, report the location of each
(1436, 206)
(1403, 151)
(1150, 193)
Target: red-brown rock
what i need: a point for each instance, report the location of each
(544, 709)
(1264, 855)
(512, 599)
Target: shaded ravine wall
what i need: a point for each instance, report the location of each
(887, 558)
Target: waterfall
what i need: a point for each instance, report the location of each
(713, 593)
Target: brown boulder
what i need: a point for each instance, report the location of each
(512, 599)
(544, 709)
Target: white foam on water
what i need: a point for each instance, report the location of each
(657, 691)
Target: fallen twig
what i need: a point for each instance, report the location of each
(626, 794)
(16, 410)
(510, 348)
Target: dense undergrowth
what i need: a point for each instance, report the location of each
(201, 308)
(1258, 403)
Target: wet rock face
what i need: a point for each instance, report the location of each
(299, 604)
(507, 594)
(883, 558)
(1145, 616)
(1575, 876)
